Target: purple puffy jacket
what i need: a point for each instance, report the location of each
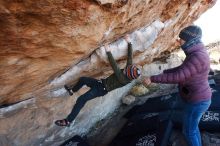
(191, 75)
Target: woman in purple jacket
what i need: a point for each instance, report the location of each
(192, 78)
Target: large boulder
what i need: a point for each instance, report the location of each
(45, 44)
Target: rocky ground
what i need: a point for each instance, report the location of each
(106, 130)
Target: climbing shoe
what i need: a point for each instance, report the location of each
(69, 90)
(63, 122)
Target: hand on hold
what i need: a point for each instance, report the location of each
(209, 1)
(107, 49)
(190, 2)
(127, 38)
(146, 81)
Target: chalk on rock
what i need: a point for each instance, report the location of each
(139, 90)
(61, 92)
(128, 99)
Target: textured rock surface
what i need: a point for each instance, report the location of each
(45, 44)
(214, 54)
(41, 40)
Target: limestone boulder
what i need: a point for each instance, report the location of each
(45, 44)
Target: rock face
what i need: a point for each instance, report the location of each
(45, 44)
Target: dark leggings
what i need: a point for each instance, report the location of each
(96, 90)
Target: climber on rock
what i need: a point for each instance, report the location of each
(119, 78)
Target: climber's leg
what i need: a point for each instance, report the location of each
(90, 82)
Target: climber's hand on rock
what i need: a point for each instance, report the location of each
(211, 2)
(127, 38)
(107, 49)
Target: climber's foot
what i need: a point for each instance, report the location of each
(69, 90)
(64, 123)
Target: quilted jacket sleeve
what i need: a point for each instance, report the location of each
(189, 67)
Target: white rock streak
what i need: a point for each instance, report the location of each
(141, 40)
(22, 104)
(59, 92)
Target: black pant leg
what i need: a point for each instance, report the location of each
(90, 82)
(81, 101)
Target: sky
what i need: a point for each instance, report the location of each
(210, 24)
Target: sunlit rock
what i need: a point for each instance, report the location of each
(46, 44)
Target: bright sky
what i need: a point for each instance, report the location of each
(210, 24)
